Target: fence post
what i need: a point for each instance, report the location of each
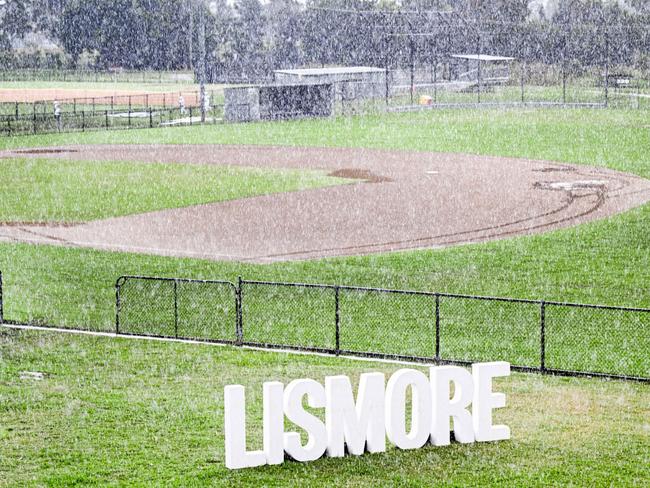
(564, 70)
(412, 66)
(337, 320)
(176, 309)
(435, 75)
(607, 68)
(478, 66)
(542, 336)
(523, 72)
(118, 305)
(2, 320)
(106, 115)
(150, 118)
(83, 120)
(437, 356)
(239, 326)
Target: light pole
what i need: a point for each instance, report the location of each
(201, 67)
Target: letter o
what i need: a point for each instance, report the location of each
(421, 412)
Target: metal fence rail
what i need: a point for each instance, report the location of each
(83, 120)
(133, 102)
(145, 110)
(533, 335)
(94, 75)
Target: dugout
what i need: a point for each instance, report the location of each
(278, 101)
(350, 82)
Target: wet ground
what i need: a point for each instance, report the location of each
(399, 200)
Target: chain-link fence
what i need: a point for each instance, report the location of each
(533, 335)
(553, 337)
(83, 120)
(145, 110)
(179, 308)
(95, 76)
(440, 59)
(134, 102)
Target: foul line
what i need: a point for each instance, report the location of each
(192, 341)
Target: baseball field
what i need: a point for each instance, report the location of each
(452, 201)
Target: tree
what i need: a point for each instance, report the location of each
(14, 21)
(247, 39)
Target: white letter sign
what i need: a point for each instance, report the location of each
(379, 411)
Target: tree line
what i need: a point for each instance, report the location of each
(247, 39)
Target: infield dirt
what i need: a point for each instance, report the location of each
(399, 200)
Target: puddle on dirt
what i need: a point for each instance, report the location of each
(45, 151)
(359, 174)
(552, 169)
(572, 185)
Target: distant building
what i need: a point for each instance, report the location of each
(350, 82)
(271, 102)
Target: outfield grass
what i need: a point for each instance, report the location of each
(118, 411)
(613, 138)
(76, 191)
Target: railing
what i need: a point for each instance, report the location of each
(83, 120)
(533, 335)
(90, 75)
(548, 337)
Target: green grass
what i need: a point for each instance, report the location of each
(77, 291)
(607, 261)
(75, 191)
(613, 138)
(118, 412)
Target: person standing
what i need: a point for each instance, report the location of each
(181, 104)
(57, 115)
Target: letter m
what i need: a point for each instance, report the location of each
(355, 424)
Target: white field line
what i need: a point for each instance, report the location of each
(191, 341)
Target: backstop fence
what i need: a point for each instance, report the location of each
(533, 335)
(114, 112)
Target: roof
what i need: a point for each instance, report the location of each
(275, 85)
(482, 57)
(337, 70)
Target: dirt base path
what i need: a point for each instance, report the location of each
(28, 95)
(404, 200)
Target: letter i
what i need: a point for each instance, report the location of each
(273, 422)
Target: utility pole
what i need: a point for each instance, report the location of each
(191, 34)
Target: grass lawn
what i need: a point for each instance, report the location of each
(617, 139)
(75, 191)
(118, 411)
